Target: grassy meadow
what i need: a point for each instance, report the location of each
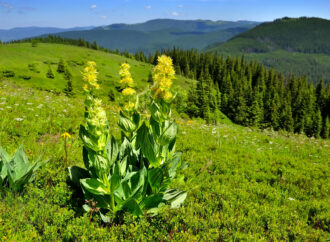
(242, 183)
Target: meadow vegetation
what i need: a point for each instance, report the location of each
(242, 183)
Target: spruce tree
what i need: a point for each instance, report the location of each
(61, 66)
(326, 128)
(50, 73)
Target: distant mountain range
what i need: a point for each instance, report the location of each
(291, 45)
(162, 33)
(28, 32)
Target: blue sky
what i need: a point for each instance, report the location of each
(60, 13)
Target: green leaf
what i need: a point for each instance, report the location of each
(94, 186)
(155, 128)
(4, 157)
(115, 178)
(169, 134)
(133, 207)
(123, 166)
(151, 201)
(112, 150)
(126, 123)
(175, 197)
(88, 139)
(173, 165)
(146, 142)
(76, 173)
(98, 164)
(155, 178)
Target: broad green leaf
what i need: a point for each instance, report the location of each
(98, 164)
(76, 173)
(155, 178)
(169, 134)
(112, 150)
(4, 157)
(151, 201)
(88, 139)
(115, 178)
(155, 128)
(146, 142)
(94, 186)
(123, 166)
(173, 165)
(175, 197)
(126, 123)
(133, 207)
(19, 163)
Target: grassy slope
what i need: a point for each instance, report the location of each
(242, 183)
(16, 57)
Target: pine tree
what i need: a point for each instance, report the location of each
(317, 123)
(61, 66)
(50, 73)
(95, 46)
(326, 128)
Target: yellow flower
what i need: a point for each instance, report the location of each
(90, 75)
(66, 135)
(129, 106)
(163, 74)
(128, 91)
(126, 79)
(85, 87)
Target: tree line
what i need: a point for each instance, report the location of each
(246, 91)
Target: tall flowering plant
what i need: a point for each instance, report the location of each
(134, 174)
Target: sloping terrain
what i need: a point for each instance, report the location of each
(297, 46)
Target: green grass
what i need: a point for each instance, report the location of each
(242, 183)
(17, 57)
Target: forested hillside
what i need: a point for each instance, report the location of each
(291, 45)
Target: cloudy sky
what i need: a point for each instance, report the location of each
(60, 13)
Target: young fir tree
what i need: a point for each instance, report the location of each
(317, 123)
(61, 66)
(68, 76)
(50, 73)
(95, 46)
(326, 128)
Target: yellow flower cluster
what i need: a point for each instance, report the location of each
(90, 76)
(126, 79)
(128, 91)
(163, 75)
(127, 83)
(97, 116)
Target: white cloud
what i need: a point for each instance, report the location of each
(175, 14)
(103, 17)
(148, 7)
(92, 6)
(180, 6)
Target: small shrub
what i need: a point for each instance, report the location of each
(8, 73)
(61, 66)
(25, 77)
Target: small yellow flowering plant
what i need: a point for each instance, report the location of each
(132, 174)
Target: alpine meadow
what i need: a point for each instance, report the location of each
(164, 129)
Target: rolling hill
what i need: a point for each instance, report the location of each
(162, 33)
(291, 45)
(30, 65)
